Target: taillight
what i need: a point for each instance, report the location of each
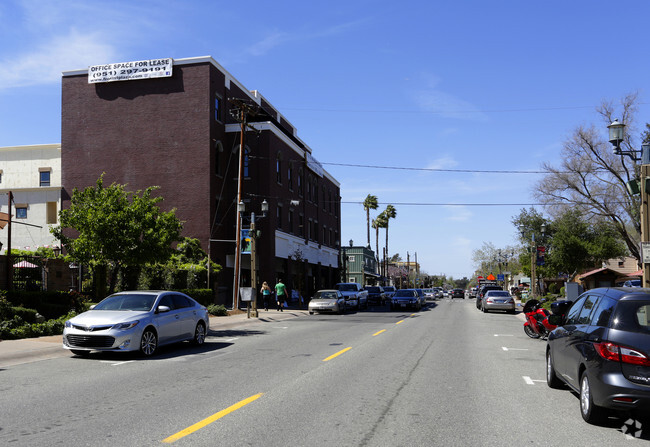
(489, 300)
(616, 353)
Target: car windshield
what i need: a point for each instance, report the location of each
(404, 293)
(347, 288)
(389, 289)
(497, 293)
(373, 289)
(126, 302)
(325, 296)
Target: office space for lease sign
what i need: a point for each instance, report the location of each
(127, 71)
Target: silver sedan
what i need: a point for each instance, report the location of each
(330, 301)
(498, 300)
(137, 321)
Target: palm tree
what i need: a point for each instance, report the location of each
(369, 204)
(379, 222)
(390, 212)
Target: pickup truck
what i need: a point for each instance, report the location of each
(355, 296)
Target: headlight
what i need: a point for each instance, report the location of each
(124, 326)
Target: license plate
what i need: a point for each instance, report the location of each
(403, 305)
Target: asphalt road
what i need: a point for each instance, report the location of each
(448, 375)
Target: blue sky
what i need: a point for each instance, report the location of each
(464, 85)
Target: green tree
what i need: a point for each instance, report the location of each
(389, 213)
(114, 228)
(370, 204)
(379, 222)
(578, 244)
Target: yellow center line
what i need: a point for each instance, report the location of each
(337, 354)
(400, 321)
(377, 333)
(199, 425)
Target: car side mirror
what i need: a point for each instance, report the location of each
(163, 309)
(92, 307)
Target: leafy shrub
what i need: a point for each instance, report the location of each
(17, 328)
(28, 315)
(552, 288)
(218, 310)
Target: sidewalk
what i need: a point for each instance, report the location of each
(26, 350)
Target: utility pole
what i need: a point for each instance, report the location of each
(253, 237)
(241, 111)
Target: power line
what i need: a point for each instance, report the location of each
(478, 171)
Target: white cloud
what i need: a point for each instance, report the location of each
(434, 100)
(44, 64)
(459, 213)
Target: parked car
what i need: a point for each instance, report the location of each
(137, 321)
(440, 293)
(355, 296)
(423, 299)
(376, 295)
(498, 300)
(405, 299)
(482, 290)
(632, 283)
(329, 301)
(389, 291)
(457, 293)
(429, 294)
(601, 350)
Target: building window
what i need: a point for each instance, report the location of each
(218, 150)
(51, 213)
(290, 222)
(217, 109)
(301, 225)
(246, 163)
(300, 182)
(279, 216)
(0, 175)
(310, 229)
(44, 178)
(351, 258)
(315, 233)
(278, 167)
(21, 211)
(324, 199)
(290, 177)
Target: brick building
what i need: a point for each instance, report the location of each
(177, 132)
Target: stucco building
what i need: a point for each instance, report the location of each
(33, 175)
(181, 132)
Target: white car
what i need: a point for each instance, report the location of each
(330, 301)
(137, 321)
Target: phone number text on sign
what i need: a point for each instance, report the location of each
(126, 71)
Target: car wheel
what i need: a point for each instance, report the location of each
(552, 380)
(148, 342)
(199, 334)
(591, 413)
(80, 352)
(484, 309)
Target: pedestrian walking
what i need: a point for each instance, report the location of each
(280, 294)
(266, 294)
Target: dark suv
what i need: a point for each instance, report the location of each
(482, 290)
(376, 295)
(601, 349)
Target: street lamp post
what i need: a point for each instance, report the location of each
(533, 258)
(616, 137)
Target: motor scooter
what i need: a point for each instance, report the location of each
(536, 324)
